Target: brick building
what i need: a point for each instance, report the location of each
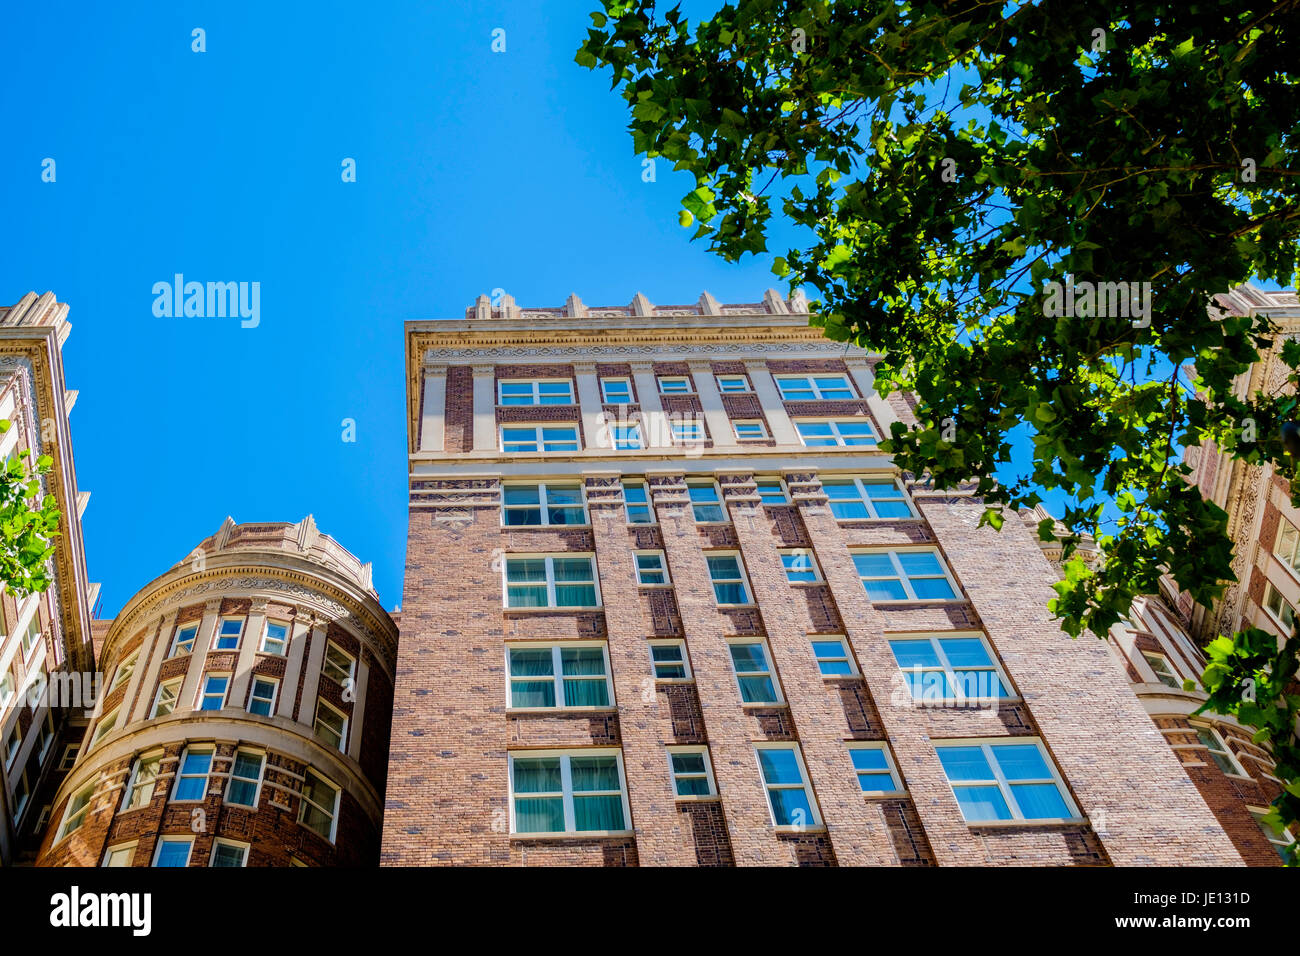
(666, 603)
(43, 637)
(244, 718)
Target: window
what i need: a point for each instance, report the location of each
(228, 634)
(904, 576)
(706, 501)
(192, 777)
(750, 429)
(616, 391)
(120, 855)
(574, 673)
(165, 700)
(517, 438)
(807, 388)
(261, 697)
(832, 657)
(143, 782)
(213, 696)
(1004, 780)
(848, 433)
(338, 665)
(183, 642)
(1287, 547)
(31, 636)
(800, 567)
(551, 582)
(522, 392)
(626, 437)
(68, 758)
(173, 851)
(636, 501)
(949, 668)
(22, 793)
(275, 639)
(732, 384)
(875, 769)
(124, 671)
(105, 727)
(228, 853)
(728, 579)
(692, 774)
(772, 492)
(75, 814)
(687, 431)
(856, 499)
(1280, 838)
(1219, 752)
(578, 792)
(13, 743)
(331, 725)
(787, 792)
(1163, 671)
(245, 779)
(675, 385)
(650, 568)
(668, 658)
(753, 674)
(319, 805)
(544, 504)
(1279, 607)
(6, 688)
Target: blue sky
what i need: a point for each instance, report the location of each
(475, 171)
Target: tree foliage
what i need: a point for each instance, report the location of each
(940, 165)
(27, 529)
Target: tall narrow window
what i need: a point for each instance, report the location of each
(319, 805)
(874, 768)
(228, 853)
(275, 639)
(728, 579)
(75, 813)
(261, 696)
(183, 642)
(173, 851)
(339, 665)
(192, 776)
(637, 502)
(669, 660)
(651, 568)
(213, 696)
(228, 634)
(1219, 752)
(331, 725)
(753, 673)
(616, 391)
(787, 788)
(692, 775)
(165, 701)
(245, 778)
(124, 671)
(143, 781)
(1162, 669)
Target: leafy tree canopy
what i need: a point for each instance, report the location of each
(26, 530)
(942, 164)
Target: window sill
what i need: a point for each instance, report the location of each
(558, 711)
(774, 705)
(800, 831)
(674, 680)
(567, 610)
(913, 602)
(734, 607)
(583, 835)
(655, 587)
(1012, 824)
(878, 795)
(586, 526)
(697, 798)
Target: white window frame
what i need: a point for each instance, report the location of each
(1284, 611)
(30, 633)
(1153, 658)
(999, 778)
(648, 505)
(179, 773)
(557, 675)
(846, 657)
(68, 759)
(605, 398)
(252, 690)
(266, 638)
(176, 685)
(217, 635)
(744, 578)
(106, 725)
(177, 643)
(566, 792)
(626, 436)
(1287, 838)
(687, 432)
(762, 434)
(893, 554)
(536, 389)
(684, 663)
(805, 784)
(810, 380)
(133, 781)
(719, 502)
(342, 745)
(69, 815)
(841, 440)
(13, 744)
(1289, 556)
(688, 387)
(780, 484)
(948, 669)
(257, 783)
(326, 664)
(724, 388)
(891, 769)
(203, 689)
(806, 557)
(674, 775)
(1222, 750)
(235, 844)
(164, 840)
(543, 503)
(332, 813)
(661, 570)
(539, 441)
(770, 673)
(866, 500)
(124, 671)
(550, 581)
(127, 848)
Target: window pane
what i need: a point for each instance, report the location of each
(526, 569)
(572, 569)
(919, 562)
(790, 807)
(539, 815)
(982, 803)
(965, 763)
(532, 693)
(522, 494)
(582, 660)
(914, 653)
(757, 690)
(965, 652)
(779, 766)
(748, 657)
(928, 685)
(1021, 762)
(876, 783)
(724, 568)
(865, 758)
(537, 775)
(932, 589)
(885, 591)
(874, 565)
(594, 773)
(692, 786)
(1039, 801)
(598, 813)
(531, 662)
(173, 853)
(688, 763)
